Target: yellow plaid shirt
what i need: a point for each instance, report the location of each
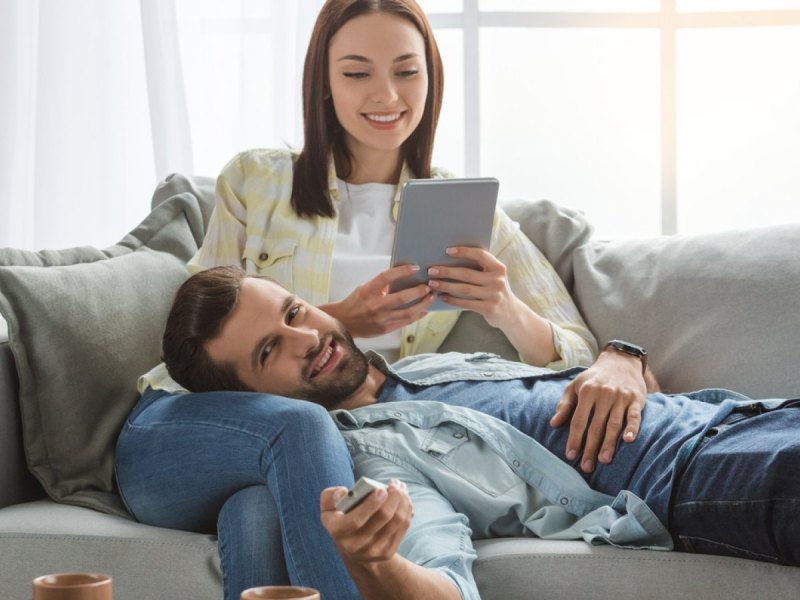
(254, 226)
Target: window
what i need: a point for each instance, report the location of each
(670, 116)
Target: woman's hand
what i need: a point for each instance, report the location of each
(608, 396)
(488, 293)
(370, 310)
(485, 291)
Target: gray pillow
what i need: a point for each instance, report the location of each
(557, 232)
(83, 325)
(716, 310)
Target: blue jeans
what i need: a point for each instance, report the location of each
(739, 495)
(182, 457)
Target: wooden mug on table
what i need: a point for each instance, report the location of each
(283, 592)
(72, 586)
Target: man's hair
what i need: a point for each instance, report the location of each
(322, 131)
(201, 307)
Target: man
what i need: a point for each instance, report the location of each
(721, 472)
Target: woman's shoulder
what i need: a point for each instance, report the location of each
(440, 173)
(263, 162)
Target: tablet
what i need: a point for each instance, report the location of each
(436, 214)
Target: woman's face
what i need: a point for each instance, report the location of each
(378, 81)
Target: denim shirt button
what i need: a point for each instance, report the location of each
(488, 374)
(458, 435)
(515, 462)
(564, 501)
(397, 414)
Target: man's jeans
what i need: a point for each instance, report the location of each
(739, 495)
(182, 457)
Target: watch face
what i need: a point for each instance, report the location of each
(627, 347)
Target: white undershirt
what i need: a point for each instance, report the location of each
(363, 249)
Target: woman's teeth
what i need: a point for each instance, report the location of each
(384, 118)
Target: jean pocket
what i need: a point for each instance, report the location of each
(698, 545)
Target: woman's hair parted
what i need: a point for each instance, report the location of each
(322, 131)
(201, 306)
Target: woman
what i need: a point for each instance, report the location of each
(321, 223)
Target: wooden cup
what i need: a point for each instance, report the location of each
(284, 592)
(72, 586)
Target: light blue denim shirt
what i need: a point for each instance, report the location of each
(471, 475)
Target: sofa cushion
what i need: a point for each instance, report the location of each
(146, 563)
(715, 310)
(557, 232)
(83, 324)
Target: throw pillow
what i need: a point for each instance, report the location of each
(83, 325)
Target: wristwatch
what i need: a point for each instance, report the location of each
(631, 349)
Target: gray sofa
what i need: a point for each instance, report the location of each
(714, 311)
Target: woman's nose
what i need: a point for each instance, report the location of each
(384, 91)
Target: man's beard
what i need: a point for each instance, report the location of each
(351, 374)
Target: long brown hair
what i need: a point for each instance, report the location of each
(322, 131)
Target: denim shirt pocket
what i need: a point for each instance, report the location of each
(273, 258)
(466, 455)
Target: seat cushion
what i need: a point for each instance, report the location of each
(521, 569)
(146, 563)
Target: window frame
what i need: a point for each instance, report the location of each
(667, 20)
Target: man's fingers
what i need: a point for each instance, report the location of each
(564, 407)
(613, 428)
(577, 428)
(634, 421)
(330, 496)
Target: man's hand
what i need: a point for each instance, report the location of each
(602, 400)
(373, 530)
(368, 538)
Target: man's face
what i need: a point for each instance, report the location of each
(279, 344)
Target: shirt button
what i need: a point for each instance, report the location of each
(263, 256)
(516, 463)
(458, 435)
(564, 501)
(410, 339)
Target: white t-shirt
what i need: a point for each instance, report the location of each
(363, 249)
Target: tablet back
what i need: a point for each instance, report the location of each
(436, 214)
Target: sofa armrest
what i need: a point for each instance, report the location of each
(18, 485)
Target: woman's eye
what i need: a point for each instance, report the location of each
(356, 75)
(408, 73)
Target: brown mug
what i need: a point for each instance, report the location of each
(72, 586)
(285, 592)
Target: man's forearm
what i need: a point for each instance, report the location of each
(400, 579)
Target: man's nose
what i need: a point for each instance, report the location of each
(304, 339)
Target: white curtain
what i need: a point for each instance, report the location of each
(99, 101)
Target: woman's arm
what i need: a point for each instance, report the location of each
(226, 233)
(520, 293)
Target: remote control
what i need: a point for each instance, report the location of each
(363, 488)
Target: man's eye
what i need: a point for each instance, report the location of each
(356, 74)
(292, 313)
(265, 354)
